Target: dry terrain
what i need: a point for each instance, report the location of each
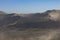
(31, 34)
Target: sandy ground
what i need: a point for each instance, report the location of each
(31, 34)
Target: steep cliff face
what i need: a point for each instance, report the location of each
(55, 15)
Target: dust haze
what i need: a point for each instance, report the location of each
(34, 26)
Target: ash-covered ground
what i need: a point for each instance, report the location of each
(34, 26)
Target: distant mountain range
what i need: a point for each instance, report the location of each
(48, 19)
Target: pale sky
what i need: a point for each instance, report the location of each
(28, 6)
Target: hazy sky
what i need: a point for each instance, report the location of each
(28, 6)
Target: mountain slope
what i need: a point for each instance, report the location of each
(37, 20)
